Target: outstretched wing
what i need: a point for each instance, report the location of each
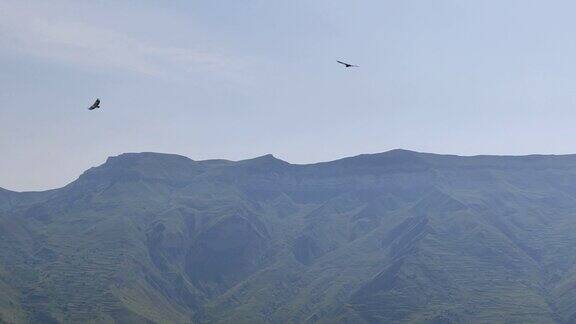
(347, 64)
(95, 105)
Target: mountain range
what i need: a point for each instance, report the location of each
(395, 237)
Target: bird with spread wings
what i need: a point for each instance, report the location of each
(95, 105)
(347, 65)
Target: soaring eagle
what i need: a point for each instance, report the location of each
(347, 65)
(95, 105)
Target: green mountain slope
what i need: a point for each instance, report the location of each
(394, 237)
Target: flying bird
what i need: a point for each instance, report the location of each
(95, 105)
(347, 65)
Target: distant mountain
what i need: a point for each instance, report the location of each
(383, 238)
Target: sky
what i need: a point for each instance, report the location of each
(240, 79)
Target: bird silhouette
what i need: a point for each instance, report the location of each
(95, 105)
(347, 65)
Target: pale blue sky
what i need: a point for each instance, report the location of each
(238, 79)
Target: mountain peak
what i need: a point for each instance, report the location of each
(145, 165)
(268, 158)
(133, 157)
(397, 157)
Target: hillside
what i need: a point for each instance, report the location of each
(394, 237)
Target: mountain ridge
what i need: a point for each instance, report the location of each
(139, 156)
(393, 237)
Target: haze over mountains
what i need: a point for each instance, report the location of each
(382, 238)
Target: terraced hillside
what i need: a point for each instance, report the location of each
(384, 238)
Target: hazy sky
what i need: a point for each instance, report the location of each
(238, 79)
